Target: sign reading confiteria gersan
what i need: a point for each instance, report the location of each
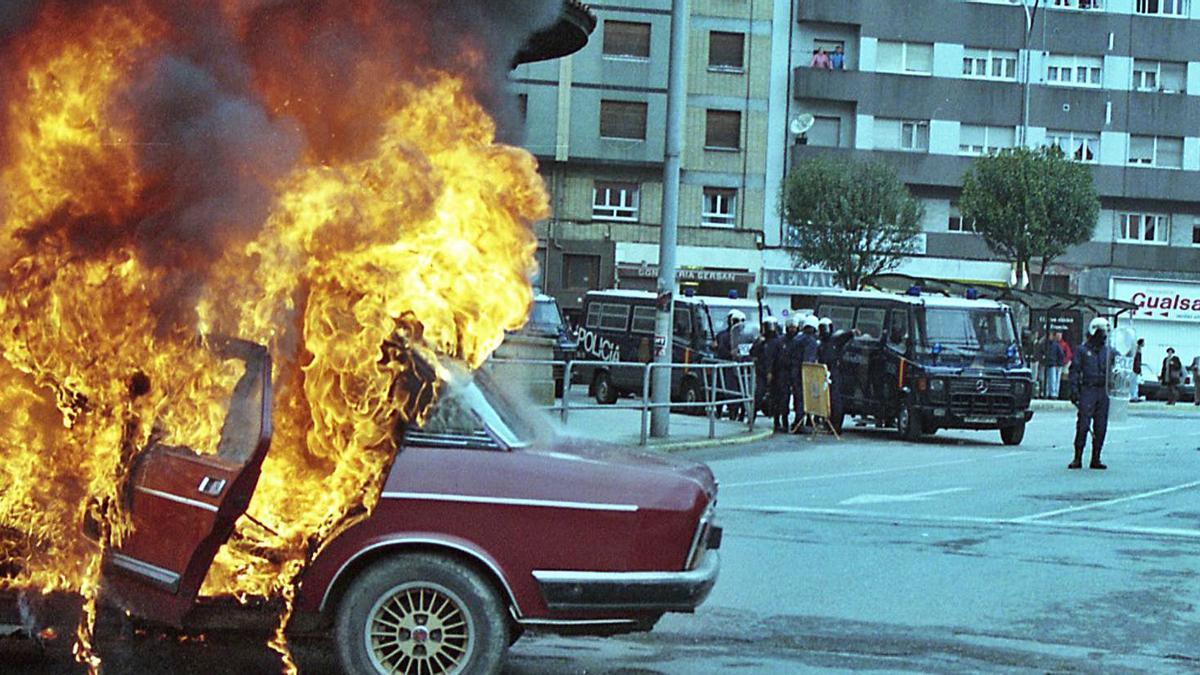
(1160, 300)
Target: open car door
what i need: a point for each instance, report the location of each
(184, 505)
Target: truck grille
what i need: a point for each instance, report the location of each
(967, 400)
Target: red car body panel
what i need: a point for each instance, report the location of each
(571, 505)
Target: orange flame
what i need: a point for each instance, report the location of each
(402, 219)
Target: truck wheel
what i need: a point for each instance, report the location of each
(603, 389)
(1013, 435)
(907, 423)
(692, 393)
(421, 614)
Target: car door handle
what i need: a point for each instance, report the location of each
(211, 486)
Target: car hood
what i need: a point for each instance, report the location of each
(612, 456)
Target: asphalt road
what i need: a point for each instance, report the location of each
(870, 553)
(956, 554)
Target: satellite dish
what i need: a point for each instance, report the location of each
(802, 123)
(1123, 340)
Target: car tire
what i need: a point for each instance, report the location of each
(602, 387)
(462, 629)
(692, 392)
(1013, 435)
(907, 423)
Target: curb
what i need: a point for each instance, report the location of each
(1135, 409)
(701, 443)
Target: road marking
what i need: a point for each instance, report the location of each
(1169, 532)
(870, 472)
(1107, 502)
(889, 499)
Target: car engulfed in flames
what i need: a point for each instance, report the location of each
(319, 179)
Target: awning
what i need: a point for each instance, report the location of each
(1038, 301)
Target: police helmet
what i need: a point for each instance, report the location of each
(1099, 325)
(792, 321)
(735, 316)
(771, 321)
(826, 322)
(812, 322)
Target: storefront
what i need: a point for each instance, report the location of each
(711, 281)
(1168, 315)
(788, 288)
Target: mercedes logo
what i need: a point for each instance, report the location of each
(981, 386)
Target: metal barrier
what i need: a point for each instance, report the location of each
(714, 379)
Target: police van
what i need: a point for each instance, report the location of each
(929, 362)
(618, 328)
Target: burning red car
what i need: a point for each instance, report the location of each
(489, 523)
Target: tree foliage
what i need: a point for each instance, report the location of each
(852, 218)
(1030, 204)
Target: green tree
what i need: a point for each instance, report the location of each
(854, 219)
(1030, 204)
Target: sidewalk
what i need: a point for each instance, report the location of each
(687, 432)
(1143, 407)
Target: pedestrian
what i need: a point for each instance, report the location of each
(725, 350)
(1053, 358)
(820, 60)
(1134, 395)
(829, 352)
(1195, 368)
(837, 60)
(1171, 375)
(1091, 364)
(790, 369)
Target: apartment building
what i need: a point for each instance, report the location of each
(928, 85)
(596, 121)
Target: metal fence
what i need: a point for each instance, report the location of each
(724, 383)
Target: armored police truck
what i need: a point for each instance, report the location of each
(618, 327)
(928, 362)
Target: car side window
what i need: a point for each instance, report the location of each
(841, 316)
(643, 320)
(452, 423)
(898, 327)
(593, 315)
(614, 317)
(683, 323)
(870, 322)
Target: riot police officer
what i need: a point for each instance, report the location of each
(789, 368)
(765, 353)
(1090, 365)
(726, 350)
(832, 346)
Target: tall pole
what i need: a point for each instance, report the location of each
(660, 417)
(1030, 15)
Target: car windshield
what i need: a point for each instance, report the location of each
(473, 405)
(971, 334)
(545, 314)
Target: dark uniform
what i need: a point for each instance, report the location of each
(1090, 365)
(776, 356)
(830, 353)
(765, 353)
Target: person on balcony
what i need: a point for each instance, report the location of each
(820, 60)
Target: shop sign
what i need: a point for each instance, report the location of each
(648, 271)
(1166, 300)
(798, 279)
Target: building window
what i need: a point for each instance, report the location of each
(826, 132)
(580, 272)
(1074, 71)
(627, 40)
(912, 135)
(726, 52)
(523, 106)
(615, 201)
(909, 58)
(955, 222)
(624, 120)
(1160, 151)
(720, 205)
(1077, 4)
(1077, 145)
(723, 130)
(1196, 232)
(1168, 77)
(989, 64)
(1163, 7)
(980, 140)
(1143, 228)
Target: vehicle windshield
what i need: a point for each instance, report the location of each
(960, 334)
(474, 405)
(545, 314)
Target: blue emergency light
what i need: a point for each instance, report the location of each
(914, 291)
(733, 295)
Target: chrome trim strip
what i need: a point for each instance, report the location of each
(631, 578)
(705, 519)
(425, 540)
(177, 499)
(511, 501)
(158, 575)
(576, 622)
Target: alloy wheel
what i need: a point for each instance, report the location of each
(419, 628)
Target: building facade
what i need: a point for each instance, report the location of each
(596, 121)
(925, 85)
(929, 85)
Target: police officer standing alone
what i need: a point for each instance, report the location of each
(1090, 366)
